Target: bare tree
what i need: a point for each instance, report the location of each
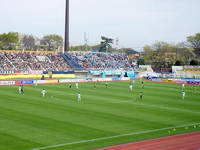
(28, 42)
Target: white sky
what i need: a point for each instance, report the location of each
(134, 22)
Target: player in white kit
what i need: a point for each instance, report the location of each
(183, 95)
(43, 92)
(79, 97)
(76, 85)
(183, 86)
(131, 87)
(20, 89)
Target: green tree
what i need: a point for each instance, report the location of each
(194, 62)
(178, 63)
(141, 61)
(105, 45)
(184, 53)
(80, 48)
(162, 54)
(9, 41)
(194, 41)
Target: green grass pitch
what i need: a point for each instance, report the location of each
(29, 121)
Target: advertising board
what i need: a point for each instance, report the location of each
(7, 83)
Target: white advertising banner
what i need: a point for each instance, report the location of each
(7, 82)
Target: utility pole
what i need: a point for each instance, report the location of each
(66, 43)
(86, 39)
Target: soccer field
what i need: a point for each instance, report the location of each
(106, 116)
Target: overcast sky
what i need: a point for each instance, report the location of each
(134, 22)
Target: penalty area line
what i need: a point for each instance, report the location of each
(115, 136)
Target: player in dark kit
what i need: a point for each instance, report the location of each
(70, 85)
(141, 95)
(142, 85)
(95, 85)
(22, 89)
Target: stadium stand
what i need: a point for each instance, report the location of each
(71, 62)
(31, 61)
(34, 61)
(100, 61)
(5, 63)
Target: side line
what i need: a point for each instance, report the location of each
(115, 136)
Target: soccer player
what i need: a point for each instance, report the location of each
(79, 97)
(141, 95)
(95, 85)
(106, 84)
(36, 84)
(70, 85)
(131, 87)
(133, 82)
(76, 85)
(20, 89)
(183, 95)
(142, 85)
(183, 86)
(43, 92)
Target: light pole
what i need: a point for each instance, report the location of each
(66, 42)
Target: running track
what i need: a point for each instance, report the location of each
(190, 141)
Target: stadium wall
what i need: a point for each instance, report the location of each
(59, 81)
(36, 76)
(193, 82)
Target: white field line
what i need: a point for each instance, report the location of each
(115, 136)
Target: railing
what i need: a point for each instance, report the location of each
(71, 62)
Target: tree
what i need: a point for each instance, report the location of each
(105, 45)
(162, 54)
(80, 48)
(9, 40)
(193, 62)
(52, 42)
(178, 63)
(184, 53)
(28, 42)
(194, 41)
(141, 61)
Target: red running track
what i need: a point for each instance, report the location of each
(189, 141)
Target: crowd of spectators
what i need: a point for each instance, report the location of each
(5, 64)
(101, 61)
(57, 63)
(32, 61)
(26, 61)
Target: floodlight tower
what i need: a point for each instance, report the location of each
(66, 42)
